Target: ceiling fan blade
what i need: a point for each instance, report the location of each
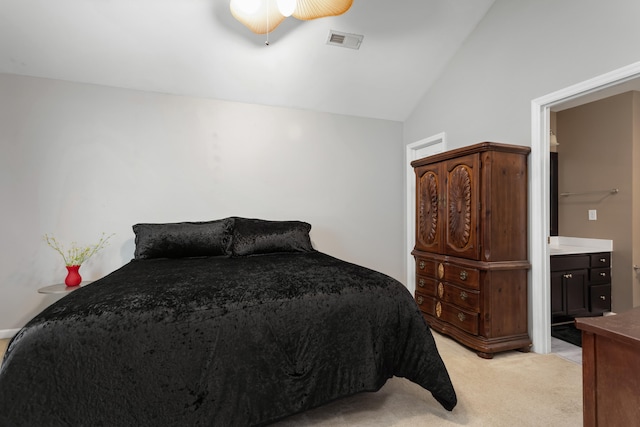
(312, 9)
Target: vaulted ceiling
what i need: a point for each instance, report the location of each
(196, 48)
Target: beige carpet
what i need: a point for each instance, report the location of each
(512, 389)
(3, 348)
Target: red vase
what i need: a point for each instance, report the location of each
(73, 276)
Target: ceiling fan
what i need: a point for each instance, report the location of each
(263, 16)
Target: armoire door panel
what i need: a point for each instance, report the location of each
(461, 215)
(428, 209)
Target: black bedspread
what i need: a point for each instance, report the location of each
(216, 341)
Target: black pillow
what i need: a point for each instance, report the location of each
(183, 239)
(258, 236)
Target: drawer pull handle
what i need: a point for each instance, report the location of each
(463, 275)
(440, 271)
(421, 265)
(603, 260)
(421, 283)
(438, 309)
(603, 274)
(420, 300)
(568, 276)
(461, 317)
(603, 298)
(463, 296)
(440, 290)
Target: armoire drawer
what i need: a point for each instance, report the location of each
(426, 285)
(458, 317)
(461, 297)
(467, 277)
(425, 267)
(426, 303)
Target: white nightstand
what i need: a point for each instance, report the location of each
(61, 288)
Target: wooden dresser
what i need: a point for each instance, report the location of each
(471, 245)
(610, 376)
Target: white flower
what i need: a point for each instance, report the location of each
(76, 255)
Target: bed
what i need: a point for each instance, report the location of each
(232, 322)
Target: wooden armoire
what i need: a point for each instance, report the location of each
(471, 245)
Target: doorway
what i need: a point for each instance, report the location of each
(617, 81)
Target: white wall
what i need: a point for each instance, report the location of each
(77, 160)
(522, 50)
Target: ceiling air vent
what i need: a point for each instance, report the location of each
(352, 41)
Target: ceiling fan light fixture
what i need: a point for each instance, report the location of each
(261, 21)
(263, 16)
(248, 7)
(286, 7)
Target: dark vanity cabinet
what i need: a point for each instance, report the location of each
(569, 287)
(580, 285)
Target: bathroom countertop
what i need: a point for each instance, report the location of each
(560, 245)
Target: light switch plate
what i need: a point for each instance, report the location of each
(593, 215)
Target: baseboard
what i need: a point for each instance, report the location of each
(8, 333)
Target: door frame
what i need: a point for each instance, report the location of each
(539, 277)
(434, 144)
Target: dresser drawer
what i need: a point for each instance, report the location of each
(458, 317)
(426, 285)
(569, 262)
(425, 267)
(467, 277)
(461, 297)
(600, 275)
(600, 298)
(601, 260)
(426, 303)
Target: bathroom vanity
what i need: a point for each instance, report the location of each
(580, 277)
